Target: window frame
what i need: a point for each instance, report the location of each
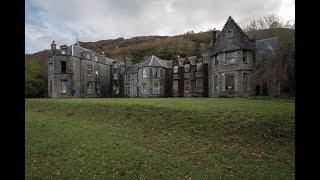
(144, 88)
(199, 85)
(64, 83)
(154, 70)
(199, 66)
(97, 71)
(175, 69)
(216, 62)
(89, 69)
(233, 57)
(226, 83)
(88, 56)
(144, 72)
(89, 87)
(158, 88)
(63, 66)
(245, 57)
(175, 89)
(187, 85)
(186, 69)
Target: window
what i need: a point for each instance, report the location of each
(199, 66)
(230, 57)
(215, 83)
(186, 67)
(96, 58)
(89, 87)
(115, 89)
(199, 85)
(156, 72)
(97, 88)
(229, 82)
(88, 56)
(216, 63)
(64, 86)
(244, 59)
(115, 74)
(63, 52)
(127, 90)
(89, 70)
(127, 78)
(97, 71)
(63, 66)
(187, 86)
(175, 86)
(245, 82)
(230, 34)
(156, 88)
(144, 88)
(175, 69)
(144, 72)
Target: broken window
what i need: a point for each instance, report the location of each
(175, 86)
(156, 72)
(230, 57)
(64, 86)
(199, 85)
(245, 82)
(229, 82)
(175, 69)
(63, 66)
(156, 88)
(244, 58)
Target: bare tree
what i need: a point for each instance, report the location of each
(269, 22)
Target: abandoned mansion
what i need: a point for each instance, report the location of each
(225, 70)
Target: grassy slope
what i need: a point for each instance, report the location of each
(185, 137)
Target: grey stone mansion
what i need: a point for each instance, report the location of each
(225, 70)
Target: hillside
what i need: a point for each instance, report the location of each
(160, 138)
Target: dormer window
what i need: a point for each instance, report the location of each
(199, 66)
(186, 67)
(88, 56)
(229, 34)
(175, 69)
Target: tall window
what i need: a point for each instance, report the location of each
(127, 90)
(187, 86)
(215, 83)
(144, 88)
(175, 69)
(115, 89)
(96, 58)
(64, 86)
(89, 70)
(245, 82)
(63, 66)
(156, 88)
(244, 58)
(199, 85)
(156, 72)
(229, 82)
(144, 72)
(115, 74)
(127, 78)
(175, 86)
(88, 56)
(199, 66)
(186, 67)
(230, 57)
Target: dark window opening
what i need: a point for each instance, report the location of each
(63, 66)
(244, 59)
(229, 83)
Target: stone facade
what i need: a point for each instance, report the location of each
(78, 72)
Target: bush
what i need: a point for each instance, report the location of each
(35, 88)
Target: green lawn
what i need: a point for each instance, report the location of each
(201, 138)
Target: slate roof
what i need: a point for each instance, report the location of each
(154, 61)
(132, 69)
(205, 56)
(265, 47)
(244, 43)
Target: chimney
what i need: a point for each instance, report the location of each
(127, 62)
(53, 46)
(214, 36)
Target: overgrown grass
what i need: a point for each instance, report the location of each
(201, 138)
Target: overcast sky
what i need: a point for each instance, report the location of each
(93, 20)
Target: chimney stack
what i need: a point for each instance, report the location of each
(53, 46)
(214, 36)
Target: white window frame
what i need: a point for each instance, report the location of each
(96, 58)
(175, 69)
(88, 56)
